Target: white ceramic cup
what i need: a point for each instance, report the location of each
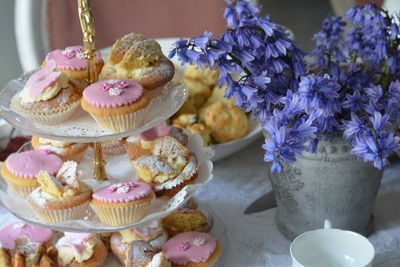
(331, 248)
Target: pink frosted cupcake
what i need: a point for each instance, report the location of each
(49, 97)
(21, 169)
(194, 249)
(25, 238)
(117, 105)
(71, 61)
(123, 203)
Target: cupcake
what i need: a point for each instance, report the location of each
(24, 242)
(21, 169)
(60, 198)
(171, 166)
(71, 61)
(65, 150)
(152, 232)
(194, 249)
(117, 105)
(137, 58)
(49, 97)
(123, 203)
(113, 147)
(185, 221)
(141, 253)
(80, 250)
(140, 145)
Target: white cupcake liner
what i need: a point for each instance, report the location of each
(22, 191)
(124, 215)
(52, 117)
(59, 215)
(118, 124)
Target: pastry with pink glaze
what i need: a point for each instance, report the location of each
(25, 239)
(153, 233)
(80, 250)
(71, 61)
(20, 170)
(118, 105)
(49, 97)
(140, 145)
(123, 203)
(194, 249)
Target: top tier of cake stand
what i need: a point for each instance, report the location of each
(81, 127)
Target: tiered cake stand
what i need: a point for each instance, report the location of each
(82, 128)
(93, 169)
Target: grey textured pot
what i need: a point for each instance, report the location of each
(330, 184)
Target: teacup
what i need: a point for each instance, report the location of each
(331, 248)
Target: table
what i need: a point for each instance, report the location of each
(254, 239)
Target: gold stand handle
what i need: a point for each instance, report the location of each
(89, 51)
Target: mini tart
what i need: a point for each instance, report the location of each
(97, 258)
(21, 169)
(66, 151)
(155, 237)
(118, 105)
(185, 221)
(49, 97)
(192, 249)
(25, 239)
(140, 59)
(140, 145)
(72, 62)
(123, 204)
(60, 209)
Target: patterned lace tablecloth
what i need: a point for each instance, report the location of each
(254, 239)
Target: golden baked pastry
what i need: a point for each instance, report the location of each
(207, 76)
(198, 92)
(227, 122)
(137, 58)
(187, 108)
(184, 120)
(203, 131)
(185, 221)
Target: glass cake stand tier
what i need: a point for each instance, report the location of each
(81, 127)
(119, 170)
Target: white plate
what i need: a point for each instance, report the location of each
(221, 150)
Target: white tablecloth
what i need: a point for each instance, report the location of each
(253, 239)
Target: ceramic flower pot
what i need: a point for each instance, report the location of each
(330, 184)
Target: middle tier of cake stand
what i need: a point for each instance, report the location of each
(119, 170)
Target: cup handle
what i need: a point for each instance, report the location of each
(327, 224)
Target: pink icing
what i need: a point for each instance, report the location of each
(184, 248)
(34, 233)
(113, 93)
(74, 240)
(29, 163)
(71, 58)
(42, 79)
(159, 131)
(123, 192)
